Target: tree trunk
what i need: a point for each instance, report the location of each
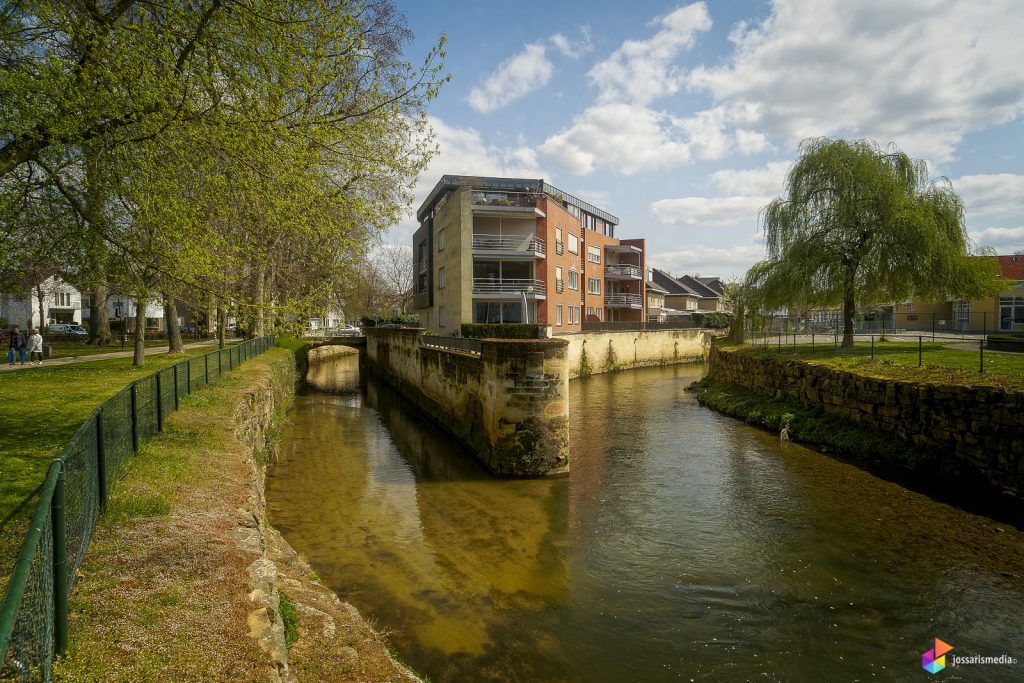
(140, 333)
(99, 321)
(41, 299)
(256, 328)
(211, 318)
(222, 325)
(174, 344)
(848, 313)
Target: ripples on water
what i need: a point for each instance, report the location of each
(683, 545)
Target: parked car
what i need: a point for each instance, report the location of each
(76, 330)
(346, 331)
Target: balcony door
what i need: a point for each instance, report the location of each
(503, 270)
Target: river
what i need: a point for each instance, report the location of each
(684, 545)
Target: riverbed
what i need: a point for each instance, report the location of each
(683, 545)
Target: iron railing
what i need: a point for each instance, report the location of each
(623, 270)
(34, 612)
(559, 247)
(465, 344)
(485, 285)
(520, 243)
(623, 300)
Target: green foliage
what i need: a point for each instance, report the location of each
(503, 330)
(716, 320)
(861, 224)
(290, 618)
(584, 361)
(379, 319)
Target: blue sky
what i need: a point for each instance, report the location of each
(682, 119)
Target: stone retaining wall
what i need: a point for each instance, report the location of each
(982, 428)
(591, 353)
(509, 405)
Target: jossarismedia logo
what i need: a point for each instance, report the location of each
(934, 660)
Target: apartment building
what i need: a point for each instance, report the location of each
(502, 250)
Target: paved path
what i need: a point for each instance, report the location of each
(150, 351)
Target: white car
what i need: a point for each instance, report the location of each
(346, 331)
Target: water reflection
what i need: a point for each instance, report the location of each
(683, 545)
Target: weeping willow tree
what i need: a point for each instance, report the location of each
(861, 224)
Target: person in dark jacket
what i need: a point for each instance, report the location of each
(16, 344)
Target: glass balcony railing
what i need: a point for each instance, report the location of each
(525, 244)
(623, 271)
(493, 286)
(505, 199)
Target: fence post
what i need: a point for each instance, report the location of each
(188, 376)
(159, 404)
(220, 364)
(981, 355)
(872, 347)
(206, 368)
(812, 341)
(135, 418)
(60, 565)
(920, 351)
(176, 385)
(101, 458)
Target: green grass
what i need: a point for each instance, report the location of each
(43, 408)
(67, 349)
(899, 360)
(290, 618)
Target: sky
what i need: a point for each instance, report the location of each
(683, 119)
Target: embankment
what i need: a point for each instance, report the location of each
(185, 580)
(592, 353)
(963, 436)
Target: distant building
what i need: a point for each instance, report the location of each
(1003, 313)
(685, 294)
(508, 250)
(121, 310)
(61, 302)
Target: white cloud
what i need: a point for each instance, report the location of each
(920, 73)
(724, 262)
(762, 182)
(705, 212)
(596, 197)
(1003, 240)
(513, 79)
(573, 49)
(641, 70)
(991, 194)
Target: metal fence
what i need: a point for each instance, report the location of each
(639, 325)
(968, 324)
(34, 613)
(466, 344)
(977, 351)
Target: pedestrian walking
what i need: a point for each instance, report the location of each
(35, 347)
(16, 346)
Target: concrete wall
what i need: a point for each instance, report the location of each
(509, 406)
(607, 351)
(975, 431)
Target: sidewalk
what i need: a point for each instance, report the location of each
(150, 351)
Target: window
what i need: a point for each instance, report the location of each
(590, 311)
(593, 285)
(558, 279)
(440, 316)
(421, 267)
(572, 314)
(440, 277)
(909, 306)
(593, 254)
(558, 314)
(62, 299)
(574, 279)
(440, 239)
(1011, 313)
(559, 247)
(599, 314)
(574, 244)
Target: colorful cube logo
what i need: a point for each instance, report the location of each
(933, 661)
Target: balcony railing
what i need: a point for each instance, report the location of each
(517, 243)
(623, 270)
(559, 247)
(559, 285)
(629, 300)
(491, 286)
(505, 199)
(465, 344)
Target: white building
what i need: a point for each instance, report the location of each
(121, 306)
(62, 303)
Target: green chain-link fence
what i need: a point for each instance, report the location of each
(34, 613)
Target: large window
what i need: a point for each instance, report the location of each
(559, 284)
(440, 239)
(441, 318)
(558, 315)
(574, 244)
(440, 277)
(62, 299)
(1011, 313)
(490, 312)
(574, 279)
(593, 254)
(593, 285)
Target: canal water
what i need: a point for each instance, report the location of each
(684, 545)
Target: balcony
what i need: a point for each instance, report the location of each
(623, 271)
(499, 288)
(623, 301)
(505, 204)
(513, 246)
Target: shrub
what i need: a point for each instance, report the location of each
(290, 619)
(503, 330)
(378, 319)
(716, 320)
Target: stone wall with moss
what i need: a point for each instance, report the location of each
(592, 353)
(980, 428)
(509, 405)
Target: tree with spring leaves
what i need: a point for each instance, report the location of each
(859, 224)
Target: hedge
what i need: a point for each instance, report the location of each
(503, 331)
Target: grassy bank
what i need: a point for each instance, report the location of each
(41, 409)
(899, 360)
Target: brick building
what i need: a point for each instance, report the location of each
(486, 246)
